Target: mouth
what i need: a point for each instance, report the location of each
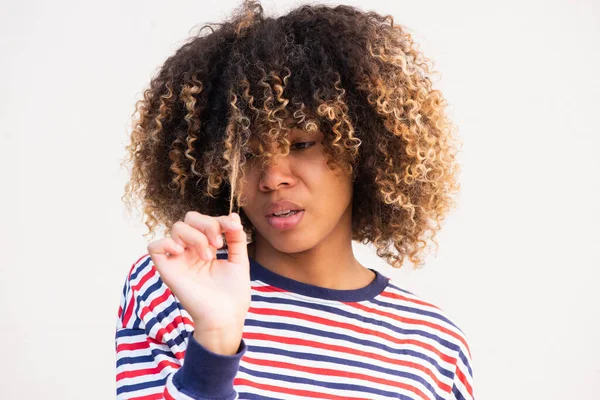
(286, 220)
(284, 214)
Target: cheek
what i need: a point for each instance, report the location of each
(334, 188)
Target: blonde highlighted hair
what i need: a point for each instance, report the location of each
(354, 75)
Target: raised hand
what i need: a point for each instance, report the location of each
(216, 293)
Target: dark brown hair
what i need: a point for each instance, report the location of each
(354, 75)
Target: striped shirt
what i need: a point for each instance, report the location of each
(299, 341)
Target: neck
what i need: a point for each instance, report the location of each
(329, 264)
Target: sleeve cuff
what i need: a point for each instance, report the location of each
(207, 374)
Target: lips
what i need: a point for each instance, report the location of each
(285, 223)
(278, 206)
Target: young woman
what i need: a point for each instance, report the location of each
(319, 127)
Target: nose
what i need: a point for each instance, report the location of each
(276, 174)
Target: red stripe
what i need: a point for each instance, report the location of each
(165, 297)
(404, 298)
(150, 274)
(145, 345)
(350, 327)
(424, 303)
(150, 308)
(463, 379)
(304, 393)
(128, 311)
(347, 350)
(179, 355)
(170, 327)
(333, 372)
(268, 289)
(155, 370)
(140, 259)
(168, 395)
(131, 302)
(412, 321)
(155, 396)
(132, 346)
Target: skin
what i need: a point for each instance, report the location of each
(217, 293)
(318, 251)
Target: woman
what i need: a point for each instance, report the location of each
(320, 127)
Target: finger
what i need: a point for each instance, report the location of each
(207, 225)
(172, 248)
(191, 237)
(163, 247)
(230, 225)
(237, 250)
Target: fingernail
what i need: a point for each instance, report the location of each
(208, 254)
(219, 241)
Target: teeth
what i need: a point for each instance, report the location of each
(285, 213)
(282, 212)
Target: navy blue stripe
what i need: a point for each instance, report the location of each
(140, 268)
(393, 286)
(361, 318)
(254, 396)
(436, 315)
(465, 361)
(457, 394)
(342, 362)
(161, 316)
(139, 386)
(334, 335)
(149, 290)
(177, 340)
(159, 284)
(260, 272)
(134, 360)
(418, 311)
(381, 282)
(147, 357)
(125, 287)
(329, 385)
(127, 332)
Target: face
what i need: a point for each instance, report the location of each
(304, 178)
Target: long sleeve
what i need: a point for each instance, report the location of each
(157, 356)
(462, 387)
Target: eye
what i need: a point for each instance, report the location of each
(305, 145)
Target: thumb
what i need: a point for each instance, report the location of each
(237, 242)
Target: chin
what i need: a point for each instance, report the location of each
(288, 243)
(290, 248)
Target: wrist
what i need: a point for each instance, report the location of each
(226, 343)
(206, 375)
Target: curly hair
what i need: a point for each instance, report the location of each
(355, 75)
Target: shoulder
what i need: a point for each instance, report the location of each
(148, 303)
(432, 323)
(143, 279)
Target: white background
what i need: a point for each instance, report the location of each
(517, 267)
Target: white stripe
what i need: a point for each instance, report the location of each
(349, 332)
(338, 367)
